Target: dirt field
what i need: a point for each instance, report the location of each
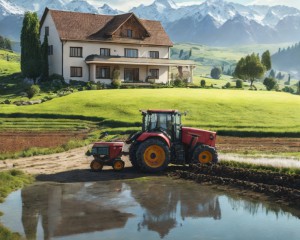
(75, 159)
(18, 141)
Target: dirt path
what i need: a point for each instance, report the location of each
(76, 159)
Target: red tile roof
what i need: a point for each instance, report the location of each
(94, 27)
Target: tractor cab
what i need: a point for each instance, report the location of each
(166, 121)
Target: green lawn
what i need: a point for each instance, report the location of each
(220, 110)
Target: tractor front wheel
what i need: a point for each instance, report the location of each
(205, 154)
(96, 166)
(153, 155)
(118, 165)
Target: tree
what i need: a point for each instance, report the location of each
(250, 68)
(216, 72)
(266, 60)
(272, 73)
(45, 63)
(5, 43)
(30, 47)
(270, 83)
(298, 88)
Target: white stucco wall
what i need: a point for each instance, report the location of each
(55, 60)
(60, 62)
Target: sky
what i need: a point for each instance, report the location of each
(127, 5)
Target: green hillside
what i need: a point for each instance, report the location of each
(227, 111)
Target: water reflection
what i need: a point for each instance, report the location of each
(82, 208)
(65, 210)
(143, 209)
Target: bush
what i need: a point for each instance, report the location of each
(56, 76)
(216, 73)
(178, 83)
(227, 85)
(116, 83)
(32, 91)
(288, 89)
(239, 83)
(203, 83)
(270, 83)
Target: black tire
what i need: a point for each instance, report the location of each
(204, 154)
(96, 166)
(153, 155)
(118, 165)
(132, 154)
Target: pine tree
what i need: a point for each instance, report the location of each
(266, 60)
(30, 47)
(45, 64)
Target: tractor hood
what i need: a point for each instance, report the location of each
(193, 136)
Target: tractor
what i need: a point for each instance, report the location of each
(164, 140)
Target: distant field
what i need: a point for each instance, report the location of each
(9, 63)
(207, 56)
(230, 111)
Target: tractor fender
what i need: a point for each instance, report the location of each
(144, 136)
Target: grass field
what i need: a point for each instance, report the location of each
(229, 111)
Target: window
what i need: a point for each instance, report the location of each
(76, 72)
(154, 73)
(47, 31)
(129, 52)
(154, 54)
(102, 72)
(50, 50)
(129, 33)
(104, 52)
(75, 51)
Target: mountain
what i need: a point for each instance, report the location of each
(288, 60)
(213, 22)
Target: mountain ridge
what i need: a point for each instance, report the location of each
(205, 23)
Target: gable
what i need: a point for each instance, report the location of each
(138, 31)
(107, 28)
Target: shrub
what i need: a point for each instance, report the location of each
(203, 83)
(116, 83)
(239, 83)
(32, 91)
(288, 89)
(178, 82)
(227, 85)
(56, 76)
(270, 83)
(216, 73)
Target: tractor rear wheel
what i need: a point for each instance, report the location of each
(96, 166)
(153, 155)
(132, 154)
(205, 154)
(118, 165)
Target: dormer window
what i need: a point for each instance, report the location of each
(129, 33)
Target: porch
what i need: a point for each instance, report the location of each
(135, 70)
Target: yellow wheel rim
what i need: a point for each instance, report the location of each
(154, 156)
(205, 157)
(118, 165)
(96, 165)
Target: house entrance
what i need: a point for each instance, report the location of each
(131, 75)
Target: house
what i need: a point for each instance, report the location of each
(91, 47)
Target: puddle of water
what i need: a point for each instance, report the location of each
(159, 208)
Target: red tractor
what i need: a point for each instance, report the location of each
(164, 140)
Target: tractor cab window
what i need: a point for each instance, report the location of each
(160, 120)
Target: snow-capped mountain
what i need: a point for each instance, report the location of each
(214, 22)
